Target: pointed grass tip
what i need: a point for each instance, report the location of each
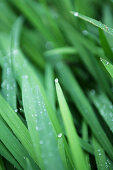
(74, 13)
(56, 80)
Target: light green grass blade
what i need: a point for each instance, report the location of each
(61, 51)
(77, 153)
(99, 156)
(40, 126)
(105, 108)
(94, 22)
(62, 149)
(7, 155)
(83, 106)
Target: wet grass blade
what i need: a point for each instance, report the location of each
(16, 126)
(77, 153)
(105, 45)
(40, 126)
(108, 66)
(94, 22)
(83, 106)
(105, 108)
(100, 156)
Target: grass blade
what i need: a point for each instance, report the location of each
(40, 126)
(70, 130)
(94, 22)
(84, 107)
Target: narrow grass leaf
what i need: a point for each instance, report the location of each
(99, 156)
(16, 126)
(40, 127)
(83, 106)
(7, 155)
(77, 153)
(108, 66)
(105, 108)
(105, 45)
(94, 22)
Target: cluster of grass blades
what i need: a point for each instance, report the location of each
(49, 123)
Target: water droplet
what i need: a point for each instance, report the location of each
(76, 14)
(16, 110)
(56, 80)
(59, 135)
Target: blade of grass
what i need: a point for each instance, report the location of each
(105, 108)
(99, 155)
(83, 106)
(94, 22)
(7, 155)
(105, 45)
(77, 153)
(40, 126)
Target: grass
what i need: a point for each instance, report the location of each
(54, 123)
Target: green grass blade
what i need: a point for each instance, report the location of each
(40, 126)
(105, 45)
(7, 155)
(2, 167)
(99, 156)
(16, 126)
(108, 66)
(49, 84)
(62, 149)
(83, 106)
(94, 22)
(13, 145)
(61, 51)
(105, 108)
(77, 153)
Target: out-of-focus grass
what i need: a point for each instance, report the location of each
(42, 40)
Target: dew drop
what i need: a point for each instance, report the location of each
(56, 80)
(59, 135)
(76, 14)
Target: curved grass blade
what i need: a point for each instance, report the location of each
(77, 153)
(40, 127)
(84, 107)
(94, 22)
